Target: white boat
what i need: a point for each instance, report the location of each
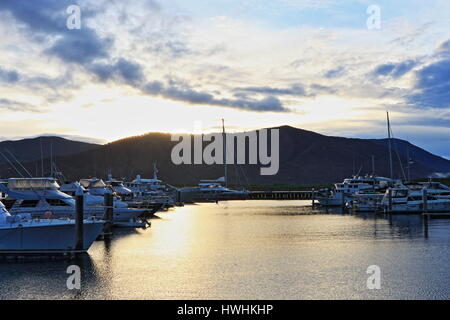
(409, 200)
(151, 191)
(42, 197)
(119, 188)
(212, 191)
(345, 192)
(20, 234)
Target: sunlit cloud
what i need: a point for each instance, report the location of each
(161, 66)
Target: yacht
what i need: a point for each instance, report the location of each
(119, 188)
(345, 192)
(43, 197)
(151, 191)
(404, 199)
(21, 234)
(212, 191)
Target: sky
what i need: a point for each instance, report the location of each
(178, 66)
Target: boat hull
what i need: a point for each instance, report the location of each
(52, 236)
(438, 207)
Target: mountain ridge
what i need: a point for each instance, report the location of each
(306, 157)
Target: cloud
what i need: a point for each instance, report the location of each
(323, 89)
(123, 70)
(433, 82)
(184, 93)
(17, 106)
(335, 73)
(394, 70)
(80, 46)
(294, 90)
(8, 76)
(46, 18)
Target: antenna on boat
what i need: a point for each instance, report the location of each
(42, 158)
(155, 171)
(51, 157)
(373, 165)
(17, 160)
(12, 164)
(225, 152)
(391, 169)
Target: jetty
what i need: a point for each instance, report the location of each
(282, 195)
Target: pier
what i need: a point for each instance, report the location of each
(282, 195)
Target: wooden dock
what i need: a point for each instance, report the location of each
(282, 195)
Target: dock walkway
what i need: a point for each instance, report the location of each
(282, 195)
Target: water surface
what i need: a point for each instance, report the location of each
(251, 250)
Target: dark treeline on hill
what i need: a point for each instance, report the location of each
(306, 158)
(30, 149)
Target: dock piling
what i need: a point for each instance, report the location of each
(79, 220)
(108, 201)
(424, 200)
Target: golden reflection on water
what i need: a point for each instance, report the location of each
(255, 250)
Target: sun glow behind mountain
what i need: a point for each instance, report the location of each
(168, 66)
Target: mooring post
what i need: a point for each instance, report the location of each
(108, 202)
(424, 200)
(389, 200)
(426, 217)
(79, 220)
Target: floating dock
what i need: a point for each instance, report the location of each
(282, 195)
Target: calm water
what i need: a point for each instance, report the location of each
(251, 250)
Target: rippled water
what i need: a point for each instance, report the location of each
(251, 250)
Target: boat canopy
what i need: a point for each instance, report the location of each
(32, 184)
(71, 187)
(145, 181)
(92, 183)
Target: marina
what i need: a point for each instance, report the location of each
(224, 150)
(250, 250)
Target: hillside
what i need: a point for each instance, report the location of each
(27, 150)
(305, 158)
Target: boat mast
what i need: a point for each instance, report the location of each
(373, 165)
(391, 169)
(155, 171)
(224, 153)
(51, 157)
(409, 163)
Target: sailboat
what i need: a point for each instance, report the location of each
(214, 190)
(361, 193)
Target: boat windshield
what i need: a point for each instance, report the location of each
(33, 184)
(92, 183)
